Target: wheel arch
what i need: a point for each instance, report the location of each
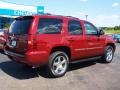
(65, 49)
(111, 44)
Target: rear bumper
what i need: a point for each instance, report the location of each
(30, 58)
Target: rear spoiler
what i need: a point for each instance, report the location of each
(24, 17)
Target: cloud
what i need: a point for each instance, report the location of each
(116, 4)
(105, 17)
(80, 15)
(106, 20)
(83, 0)
(100, 20)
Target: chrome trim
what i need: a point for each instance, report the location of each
(94, 48)
(87, 49)
(80, 49)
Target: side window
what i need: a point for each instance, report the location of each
(74, 27)
(90, 29)
(49, 26)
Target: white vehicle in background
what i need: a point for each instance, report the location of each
(1, 32)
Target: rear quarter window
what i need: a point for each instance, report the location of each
(49, 26)
(74, 27)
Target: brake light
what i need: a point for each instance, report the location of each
(32, 43)
(29, 42)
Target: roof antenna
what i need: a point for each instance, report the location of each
(86, 16)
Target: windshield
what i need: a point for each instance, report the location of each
(21, 25)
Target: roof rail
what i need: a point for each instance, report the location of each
(72, 17)
(69, 16)
(47, 14)
(51, 14)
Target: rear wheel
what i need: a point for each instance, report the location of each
(108, 55)
(58, 63)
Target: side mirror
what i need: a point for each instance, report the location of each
(101, 32)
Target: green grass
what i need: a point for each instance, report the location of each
(111, 31)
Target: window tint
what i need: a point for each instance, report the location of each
(49, 26)
(90, 29)
(74, 27)
(21, 25)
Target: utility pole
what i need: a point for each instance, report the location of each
(86, 16)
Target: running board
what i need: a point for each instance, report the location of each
(86, 59)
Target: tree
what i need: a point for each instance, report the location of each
(7, 25)
(117, 27)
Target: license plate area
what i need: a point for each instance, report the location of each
(13, 43)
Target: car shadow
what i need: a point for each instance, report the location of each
(22, 72)
(1, 52)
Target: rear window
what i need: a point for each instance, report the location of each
(49, 26)
(21, 25)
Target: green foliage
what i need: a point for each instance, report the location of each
(7, 25)
(112, 30)
(117, 27)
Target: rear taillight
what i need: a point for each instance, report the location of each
(6, 35)
(32, 43)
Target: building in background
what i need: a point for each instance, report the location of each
(8, 11)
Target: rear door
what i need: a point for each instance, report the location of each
(76, 39)
(94, 42)
(18, 34)
(48, 33)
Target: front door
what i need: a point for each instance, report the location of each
(94, 43)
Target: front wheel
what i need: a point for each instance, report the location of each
(58, 63)
(108, 55)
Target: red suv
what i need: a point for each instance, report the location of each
(56, 41)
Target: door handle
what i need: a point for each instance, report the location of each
(70, 39)
(89, 39)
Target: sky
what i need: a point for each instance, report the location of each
(100, 12)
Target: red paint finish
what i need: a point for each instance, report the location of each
(34, 49)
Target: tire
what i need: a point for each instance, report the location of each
(108, 55)
(58, 64)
